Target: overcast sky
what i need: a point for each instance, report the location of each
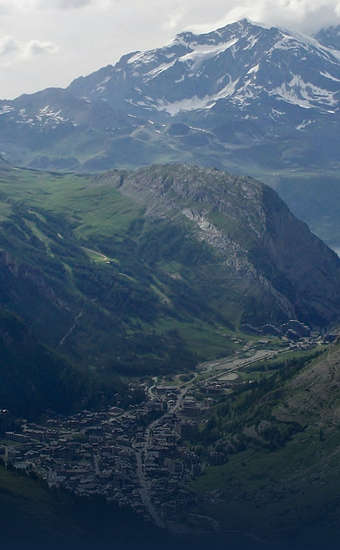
(49, 42)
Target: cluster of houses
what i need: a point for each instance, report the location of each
(95, 453)
(137, 456)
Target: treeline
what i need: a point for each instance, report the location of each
(250, 410)
(35, 379)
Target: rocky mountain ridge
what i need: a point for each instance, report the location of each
(197, 65)
(247, 98)
(329, 37)
(247, 225)
(234, 89)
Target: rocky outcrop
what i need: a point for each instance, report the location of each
(283, 270)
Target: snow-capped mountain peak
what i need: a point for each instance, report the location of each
(244, 84)
(239, 63)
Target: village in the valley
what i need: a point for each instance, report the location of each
(137, 457)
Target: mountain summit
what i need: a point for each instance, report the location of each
(253, 99)
(231, 68)
(243, 87)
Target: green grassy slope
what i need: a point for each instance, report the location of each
(76, 253)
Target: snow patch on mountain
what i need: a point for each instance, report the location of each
(141, 58)
(47, 114)
(101, 87)
(6, 109)
(288, 43)
(300, 42)
(303, 94)
(329, 76)
(158, 70)
(195, 102)
(180, 79)
(203, 52)
(304, 124)
(227, 91)
(254, 70)
(188, 104)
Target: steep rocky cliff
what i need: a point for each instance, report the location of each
(280, 269)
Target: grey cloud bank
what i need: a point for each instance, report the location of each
(84, 35)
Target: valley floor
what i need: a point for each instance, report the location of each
(141, 458)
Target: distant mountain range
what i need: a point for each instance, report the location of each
(257, 100)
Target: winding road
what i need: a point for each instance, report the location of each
(223, 366)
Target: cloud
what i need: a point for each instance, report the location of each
(64, 4)
(94, 33)
(37, 47)
(8, 46)
(304, 15)
(21, 6)
(13, 51)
